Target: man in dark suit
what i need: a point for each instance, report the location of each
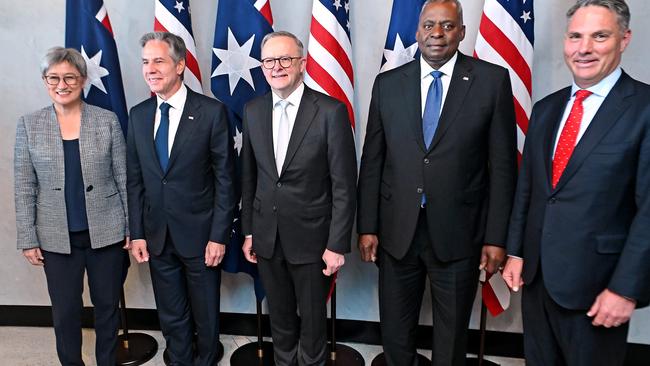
(181, 198)
(436, 183)
(298, 199)
(579, 234)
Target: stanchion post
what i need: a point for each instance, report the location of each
(133, 348)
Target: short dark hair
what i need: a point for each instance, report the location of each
(459, 7)
(177, 49)
(619, 7)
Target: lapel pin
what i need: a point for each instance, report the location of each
(465, 78)
(190, 117)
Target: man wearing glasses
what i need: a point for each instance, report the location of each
(298, 199)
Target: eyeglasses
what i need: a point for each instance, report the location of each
(285, 61)
(70, 80)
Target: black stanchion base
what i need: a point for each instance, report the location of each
(380, 360)
(345, 356)
(219, 353)
(473, 361)
(248, 355)
(141, 348)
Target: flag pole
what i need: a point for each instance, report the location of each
(133, 348)
(480, 361)
(258, 353)
(341, 354)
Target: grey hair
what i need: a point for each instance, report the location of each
(57, 55)
(459, 7)
(284, 34)
(177, 49)
(619, 7)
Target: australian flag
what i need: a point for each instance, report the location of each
(401, 46)
(88, 29)
(236, 79)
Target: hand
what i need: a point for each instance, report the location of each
(34, 256)
(214, 253)
(127, 243)
(247, 248)
(333, 262)
(139, 250)
(512, 273)
(491, 258)
(611, 309)
(368, 244)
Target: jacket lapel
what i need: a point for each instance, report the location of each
(607, 115)
(554, 119)
(190, 117)
(266, 117)
(461, 80)
(306, 113)
(410, 86)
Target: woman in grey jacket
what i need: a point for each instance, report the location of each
(70, 192)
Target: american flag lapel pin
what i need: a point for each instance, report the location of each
(465, 78)
(190, 117)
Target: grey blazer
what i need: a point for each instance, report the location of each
(39, 174)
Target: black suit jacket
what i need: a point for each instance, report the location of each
(311, 203)
(194, 199)
(468, 173)
(593, 230)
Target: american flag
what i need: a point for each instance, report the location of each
(401, 46)
(88, 29)
(236, 79)
(174, 16)
(506, 37)
(329, 53)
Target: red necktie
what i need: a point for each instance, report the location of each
(568, 137)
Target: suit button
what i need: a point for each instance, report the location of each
(89, 188)
(275, 208)
(420, 190)
(552, 200)
(426, 161)
(279, 184)
(164, 181)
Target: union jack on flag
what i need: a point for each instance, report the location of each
(88, 29)
(329, 53)
(506, 37)
(174, 17)
(236, 79)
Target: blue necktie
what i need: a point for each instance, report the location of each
(162, 137)
(432, 108)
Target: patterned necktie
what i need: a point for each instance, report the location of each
(162, 137)
(568, 136)
(282, 141)
(432, 108)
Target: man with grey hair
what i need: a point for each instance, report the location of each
(578, 234)
(298, 197)
(436, 184)
(181, 199)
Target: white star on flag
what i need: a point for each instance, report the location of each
(337, 4)
(236, 61)
(399, 55)
(525, 16)
(179, 6)
(347, 6)
(95, 72)
(237, 138)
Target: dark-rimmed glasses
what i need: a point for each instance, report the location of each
(285, 62)
(70, 80)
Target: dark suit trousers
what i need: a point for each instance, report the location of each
(296, 341)
(185, 289)
(401, 287)
(555, 336)
(65, 276)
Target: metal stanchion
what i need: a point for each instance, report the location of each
(341, 354)
(258, 353)
(480, 361)
(133, 348)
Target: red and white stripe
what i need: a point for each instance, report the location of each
(264, 7)
(166, 22)
(501, 41)
(329, 58)
(495, 293)
(102, 16)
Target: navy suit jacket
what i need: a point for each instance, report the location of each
(592, 231)
(194, 199)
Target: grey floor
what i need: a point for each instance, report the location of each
(30, 346)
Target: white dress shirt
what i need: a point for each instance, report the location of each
(426, 79)
(292, 111)
(177, 103)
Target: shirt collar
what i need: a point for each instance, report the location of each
(293, 98)
(446, 69)
(177, 101)
(604, 86)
